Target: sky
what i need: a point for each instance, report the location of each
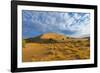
(74, 24)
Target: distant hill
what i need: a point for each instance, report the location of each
(51, 37)
(48, 37)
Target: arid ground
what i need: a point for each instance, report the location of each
(53, 47)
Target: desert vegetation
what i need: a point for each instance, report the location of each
(52, 47)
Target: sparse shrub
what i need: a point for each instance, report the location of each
(87, 44)
(51, 40)
(67, 37)
(78, 41)
(23, 43)
(62, 38)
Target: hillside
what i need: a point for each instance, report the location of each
(48, 37)
(53, 36)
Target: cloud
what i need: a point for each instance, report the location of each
(67, 23)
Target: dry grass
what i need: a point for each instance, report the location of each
(72, 49)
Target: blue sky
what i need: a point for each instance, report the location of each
(72, 24)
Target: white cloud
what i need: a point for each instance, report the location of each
(76, 23)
